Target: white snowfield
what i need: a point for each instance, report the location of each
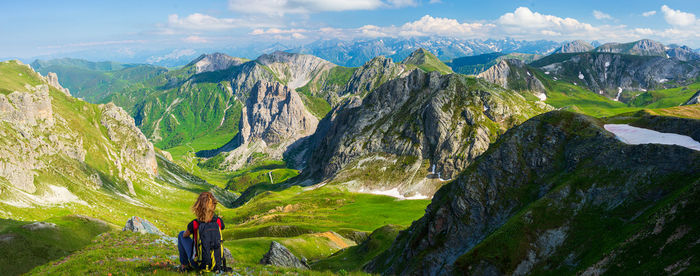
(636, 135)
(393, 193)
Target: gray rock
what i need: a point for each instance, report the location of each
(215, 62)
(695, 99)
(408, 122)
(52, 79)
(273, 118)
(139, 225)
(278, 255)
(507, 71)
(610, 73)
(575, 46)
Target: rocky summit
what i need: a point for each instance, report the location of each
(413, 133)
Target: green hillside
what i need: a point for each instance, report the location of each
(94, 81)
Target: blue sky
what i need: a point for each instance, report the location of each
(33, 28)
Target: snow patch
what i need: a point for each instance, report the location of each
(607, 63)
(393, 193)
(546, 73)
(619, 91)
(636, 135)
(542, 96)
(580, 76)
(54, 196)
(663, 80)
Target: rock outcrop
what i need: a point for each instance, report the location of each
(52, 79)
(278, 255)
(540, 195)
(273, 115)
(695, 99)
(295, 69)
(610, 74)
(135, 151)
(683, 53)
(48, 133)
(215, 62)
(373, 74)
(516, 75)
(413, 133)
(143, 226)
(644, 47)
(576, 46)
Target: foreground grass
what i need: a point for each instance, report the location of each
(40, 245)
(123, 253)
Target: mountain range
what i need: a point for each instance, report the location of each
(511, 168)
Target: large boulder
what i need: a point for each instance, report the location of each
(137, 224)
(281, 256)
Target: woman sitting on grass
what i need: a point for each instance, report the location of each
(190, 248)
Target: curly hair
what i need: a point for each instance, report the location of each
(204, 207)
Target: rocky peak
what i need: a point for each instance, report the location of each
(372, 74)
(426, 61)
(644, 47)
(273, 114)
(418, 57)
(509, 73)
(133, 144)
(423, 129)
(52, 80)
(295, 69)
(683, 53)
(215, 62)
(575, 46)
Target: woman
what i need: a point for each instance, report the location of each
(203, 209)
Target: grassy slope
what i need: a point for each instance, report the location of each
(21, 248)
(297, 212)
(562, 94)
(355, 257)
(125, 253)
(427, 62)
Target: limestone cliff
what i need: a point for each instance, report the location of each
(413, 133)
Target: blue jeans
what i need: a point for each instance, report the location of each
(185, 246)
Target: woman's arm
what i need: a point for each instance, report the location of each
(186, 234)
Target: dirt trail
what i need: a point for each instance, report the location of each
(334, 238)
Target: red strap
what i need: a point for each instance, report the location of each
(218, 221)
(195, 226)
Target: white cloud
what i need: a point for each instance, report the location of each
(195, 39)
(601, 15)
(402, 3)
(677, 17)
(644, 31)
(282, 7)
(277, 31)
(523, 22)
(175, 54)
(649, 13)
(198, 21)
(429, 25)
